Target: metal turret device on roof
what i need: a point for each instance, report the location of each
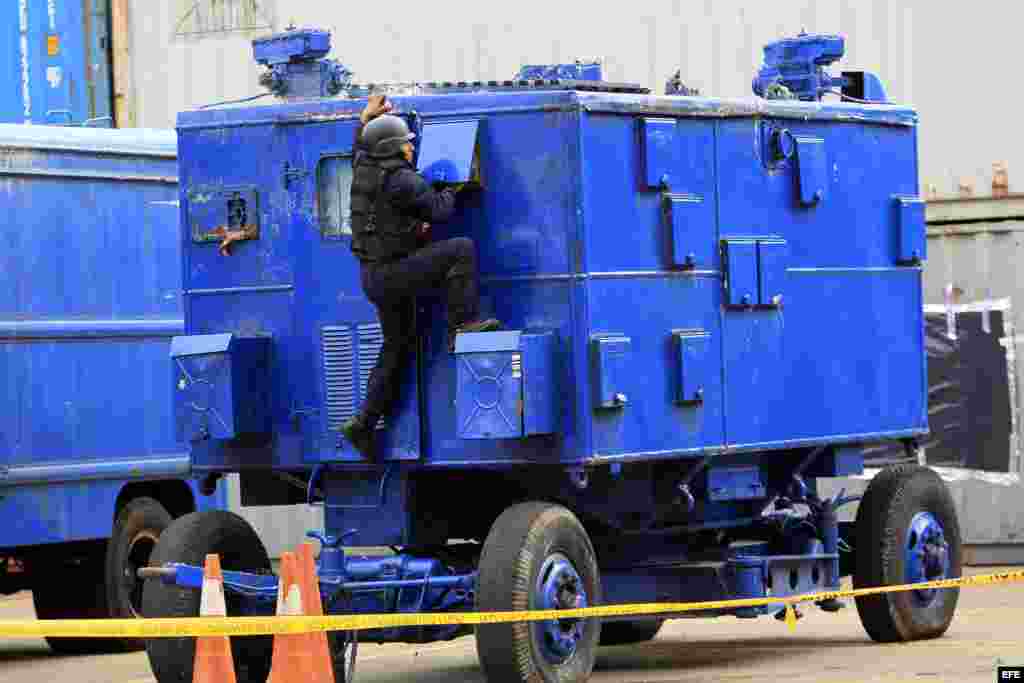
(795, 68)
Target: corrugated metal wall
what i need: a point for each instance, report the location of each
(946, 59)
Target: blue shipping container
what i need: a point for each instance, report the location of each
(57, 62)
(89, 300)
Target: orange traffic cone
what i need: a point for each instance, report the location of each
(213, 662)
(320, 653)
(290, 661)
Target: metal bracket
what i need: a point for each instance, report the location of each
(579, 478)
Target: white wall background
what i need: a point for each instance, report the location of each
(957, 63)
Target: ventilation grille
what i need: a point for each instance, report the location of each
(339, 373)
(371, 339)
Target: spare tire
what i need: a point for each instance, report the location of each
(189, 540)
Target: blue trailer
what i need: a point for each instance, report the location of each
(709, 305)
(90, 471)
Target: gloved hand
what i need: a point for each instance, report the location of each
(375, 106)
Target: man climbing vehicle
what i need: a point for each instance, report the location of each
(392, 208)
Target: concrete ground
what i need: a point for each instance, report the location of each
(826, 648)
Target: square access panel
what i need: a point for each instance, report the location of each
(506, 385)
(449, 152)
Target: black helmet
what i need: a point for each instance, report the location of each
(385, 134)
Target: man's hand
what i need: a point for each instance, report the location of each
(229, 237)
(376, 105)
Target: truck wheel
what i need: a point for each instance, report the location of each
(633, 631)
(56, 596)
(906, 532)
(138, 527)
(189, 539)
(538, 556)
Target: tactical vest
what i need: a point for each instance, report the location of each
(380, 232)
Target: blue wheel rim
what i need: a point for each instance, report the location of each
(926, 555)
(559, 586)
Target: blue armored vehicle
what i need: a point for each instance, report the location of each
(708, 306)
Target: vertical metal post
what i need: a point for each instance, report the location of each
(124, 109)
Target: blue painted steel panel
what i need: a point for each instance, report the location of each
(222, 386)
(541, 383)
(569, 240)
(616, 213)
(741, 272)
(771, 270)
(693, 368)
(489, 342)
(649, 310)
(90, 297)
(505, 384)
(913, 241)
(612, 371)
(812, 166)
(446, 153)
(489, 394)
(692, 230)
(661, 153)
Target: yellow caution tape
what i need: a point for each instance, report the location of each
(254, 626)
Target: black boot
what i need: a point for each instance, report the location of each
(489, 325)
(359, 432)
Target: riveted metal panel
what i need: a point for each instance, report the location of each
(812, 170)
(661, 153)
(741, 272)
(692, 369)
(910, 225)
(771, 266)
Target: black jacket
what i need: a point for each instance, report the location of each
(389, 201)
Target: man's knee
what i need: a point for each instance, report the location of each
(465, 256)
(464, 247)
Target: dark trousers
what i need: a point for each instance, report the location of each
(392, 288)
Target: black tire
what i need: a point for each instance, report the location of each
(73, 589)
(189, 539)
(518, 545)
(137, 530)
(894, 496)
(627, 632)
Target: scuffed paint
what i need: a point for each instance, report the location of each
(26, 93)
(714, 107)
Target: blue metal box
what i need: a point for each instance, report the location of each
(700, 265)
(504, 385)
(223, 386)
